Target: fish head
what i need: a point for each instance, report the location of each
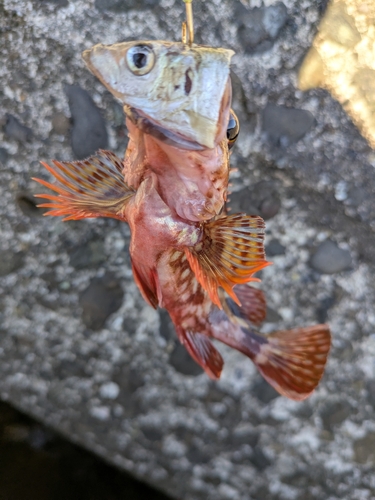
(179, 93)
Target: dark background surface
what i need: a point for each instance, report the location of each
(38, 464)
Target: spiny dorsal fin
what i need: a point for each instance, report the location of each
(293, 361)
(94, 187)
(230, 252)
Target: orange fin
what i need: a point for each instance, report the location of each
(202, 350)
(89, 188)
(253, 304)
(293, 361)
(230, 252)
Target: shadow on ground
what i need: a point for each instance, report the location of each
(38, 464)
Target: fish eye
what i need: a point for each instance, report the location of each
(233, 129)
(140, 59)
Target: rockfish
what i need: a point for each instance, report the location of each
(188, 256)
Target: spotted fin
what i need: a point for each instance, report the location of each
(202, 350)
(94, 187)
(253, 304)
(293, 361)
(230, 252)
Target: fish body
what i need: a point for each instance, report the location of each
(187, 255)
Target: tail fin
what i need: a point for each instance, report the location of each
(89, 188)
(293, 361)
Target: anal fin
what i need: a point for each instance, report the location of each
(202, 350)
(94, 187)
(230, 252)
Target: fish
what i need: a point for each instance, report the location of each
(188, 255)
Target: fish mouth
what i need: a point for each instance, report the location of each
(152, 127)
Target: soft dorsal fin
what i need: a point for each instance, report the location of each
(89, 188)
(253, 304)
(230, 252)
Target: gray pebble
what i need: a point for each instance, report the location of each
(259, 459)
(261, 199)
(151, 433)
(90, 254)
(57, 3)
(4, 155)
(14, 129)
(197, 455)
(259, 27)
(355, 196)
(100, 413)
(370, 386)
(66, 368)
(109, 390)
(284, 126)
(272, 316)
(245, 434)
(364, 449)
(28, 204)
(274, 247)
(182, 362)
(100, 299)
(270, 206)
(242, 201)
(166, 328)
(330, 258)
(10, 262)
(334, 413)
(60, 123)
(274, 18)
(89, 132)
(124, 6)
(251, 30)
(323, 308)
(263, 391)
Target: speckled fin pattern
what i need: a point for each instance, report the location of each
(203, 351)
(293, 361)
(253, 304)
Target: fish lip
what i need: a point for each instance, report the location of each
(154, 128)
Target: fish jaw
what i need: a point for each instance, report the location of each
(188, 88)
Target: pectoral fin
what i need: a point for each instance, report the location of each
(89, 188)
(230, 252)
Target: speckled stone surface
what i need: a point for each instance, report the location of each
(123, 389)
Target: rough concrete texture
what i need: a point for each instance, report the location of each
(124, 390)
